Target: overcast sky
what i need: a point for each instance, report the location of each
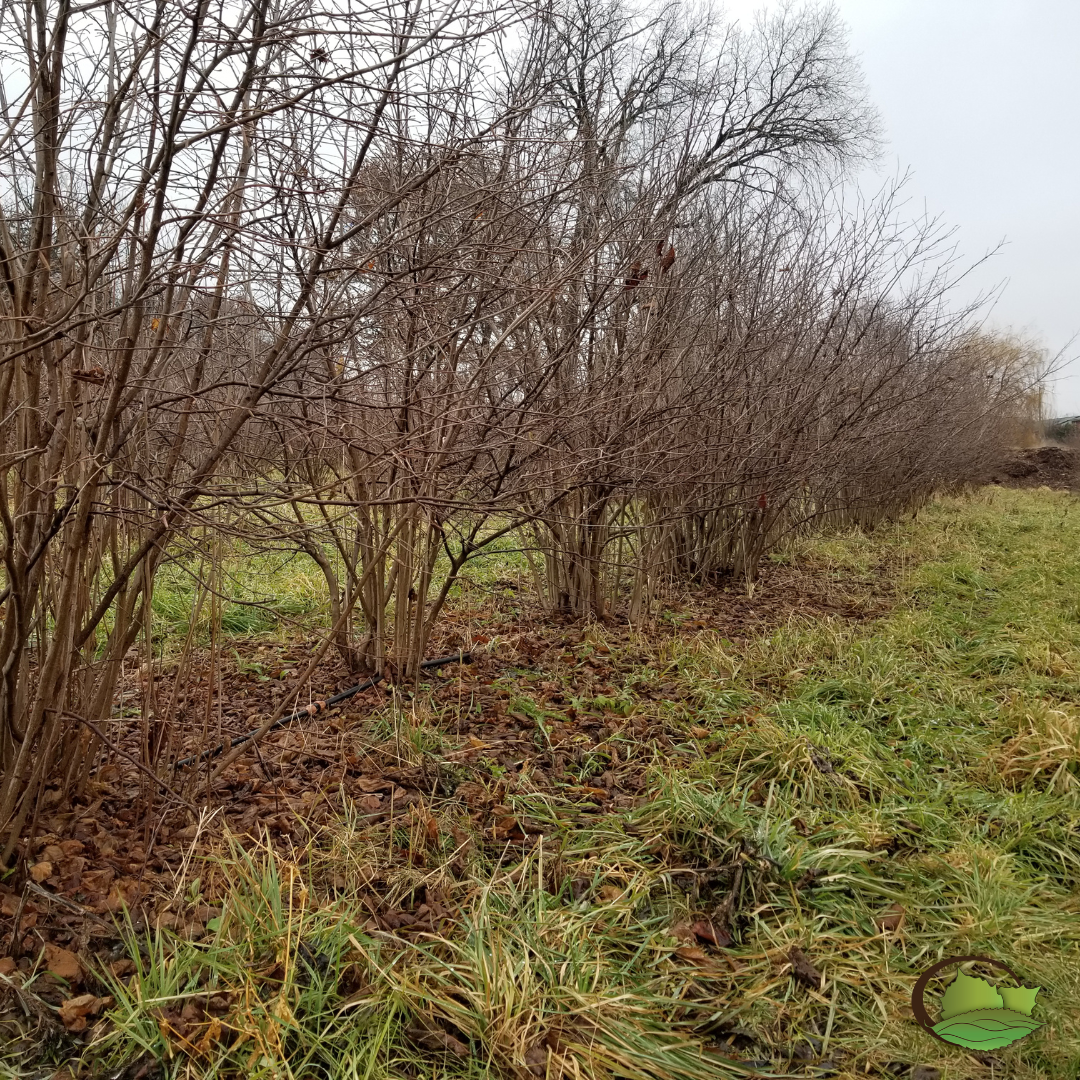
(980, 99)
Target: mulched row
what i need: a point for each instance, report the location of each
(123, 848)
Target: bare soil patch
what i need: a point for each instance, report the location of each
(1040, 466)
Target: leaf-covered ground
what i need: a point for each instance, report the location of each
(727, 845)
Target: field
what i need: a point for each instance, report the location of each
(726, 845)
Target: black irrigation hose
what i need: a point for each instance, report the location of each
(315, 708)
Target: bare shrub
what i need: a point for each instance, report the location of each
(362, 285)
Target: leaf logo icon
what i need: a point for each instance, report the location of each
(986, 1029)
(975, 1014)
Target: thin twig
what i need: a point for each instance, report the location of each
(313, 709)
(65, 902)
(137, 763)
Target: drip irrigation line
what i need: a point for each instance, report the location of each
(315, 708)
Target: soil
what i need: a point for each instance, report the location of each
(1051, 466)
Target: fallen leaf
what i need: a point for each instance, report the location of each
(166, 920)
(508, 828)
(41, 870)
(707, 930)
(472, 793)
(10, 904)
(211, 1036)
(371, 784)
(428, 1034)
(700, 732)
(98, 881)
(694, 953)
(697, 956)
(810, 877)
(62, 963)
(536, 1060)
(891, 919)
(7, 965)
(803, 970)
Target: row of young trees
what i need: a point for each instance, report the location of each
(382, 283)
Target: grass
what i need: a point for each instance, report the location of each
(262, 595)
(814, 782)
(278, 596)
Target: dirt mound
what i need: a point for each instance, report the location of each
(1040, 466)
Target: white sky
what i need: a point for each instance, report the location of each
(980, 99)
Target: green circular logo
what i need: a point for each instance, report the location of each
(974, 1013)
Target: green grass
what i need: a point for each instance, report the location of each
(276, 596)
(930, 760)
(260, 595)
